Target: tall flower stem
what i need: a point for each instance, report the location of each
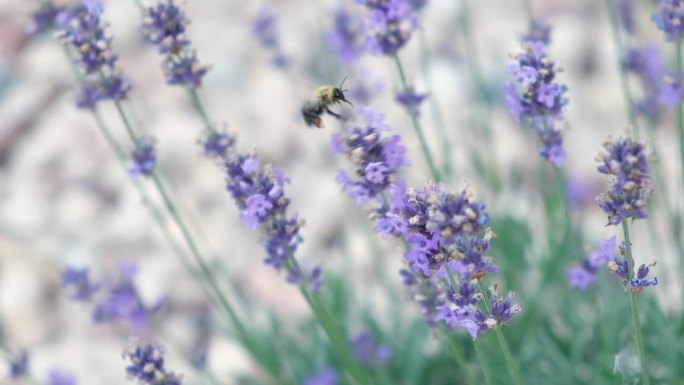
(458, 357)
(510, 363)
(481, 359)
(635, 309)
(434, 107)
(680, 107)
(436, 175)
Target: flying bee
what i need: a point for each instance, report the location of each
(324, 97)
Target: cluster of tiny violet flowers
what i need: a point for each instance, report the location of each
(265, 31)
(325, 376)
(411, 100)
(583, 276)
(448, 238)
(82, 29)
(147, 365)
(620, 267)
(537, 100)
(625, 161)
(44, 18)
(377, 158)
(670, 18)
(259, 192)
(164, 27)
(368, 351)
(537, 31)
(114, 300)
(143, 158)
(60, 377)
(647, 65)
(348, 34)
(389, 25)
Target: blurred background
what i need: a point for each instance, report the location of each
(66, 201)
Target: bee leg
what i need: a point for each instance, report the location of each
(332, 113)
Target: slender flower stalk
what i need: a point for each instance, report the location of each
(625, 161)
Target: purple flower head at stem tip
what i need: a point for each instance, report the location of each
(184, 69)
(347, 34)
(535, 99)
(60, 377)
(147, 365)
(164, 26)
(84, 289)
(326, 376)
(583, 276)
(625, 162)
(43, 19)
(216, 144)
(143, 157)
(367, 350)
(376, 157)
(411, 100)
(669, 18)
(620, 266)
(390, 24)
(537, 31)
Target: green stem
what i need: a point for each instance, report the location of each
(434, 107)
(680, 107)
(417, 126)
(458, 356)
(199, 107)
(635, 309)
(481, 359)
(617, 40)
(510, 363)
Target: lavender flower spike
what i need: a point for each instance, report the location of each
(143, 158)
(536, 100)
(147, 365)
(164, 27)
(670, 18)
(625, 161)
(390, 25)
(377, 159)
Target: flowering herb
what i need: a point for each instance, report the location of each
(265, 31)
(347, 34)
(143, 158)
(669, 18)
(60, 377)
(625, 162)
(84, 289)
(164, 27)
(536, 100)
(147, 365)
(377, 159)
(389, 25)
(18, 364)
(619, 265)
(646, 64)
(583, 276)
(326, 376)
(44, 18)
(367, 350)
(411, 100)
(537, 31)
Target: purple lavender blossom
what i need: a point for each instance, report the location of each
(18, 364)
(625, 161)
(60, 377)
(537, 31)
(390, 25)
(376, 158)
(535, 99)
(164, 27)
(265, 31)
(122, 303)
(143, 158)
(671, 92)
(583, 276)
(147, 365)
(646, 63)
(580, 277)
(81, 28)
(367, 350)
(43, 19)
(326, 376)
(411, 100)
(84, 289)
(363, 92)
(347, 35)
(669, 18)
(625, 14)
(620, 266)
(216, 144)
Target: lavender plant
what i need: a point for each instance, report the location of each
(357, 331)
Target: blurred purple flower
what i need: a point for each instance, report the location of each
(669, 18)
(367, 350)
(536, 100)
(347, 34)
(390, 24)
(625, 14)
(579, 277)
(43, 19)
(625, 161)
(646, 63)
(265, 31)
(411, 100)
(60, 377)
(18, 364)
(84, 289)
(537, 31)
(147, 365)
(143, 159)
(326, 376)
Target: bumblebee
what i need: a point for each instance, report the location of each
(324, 97)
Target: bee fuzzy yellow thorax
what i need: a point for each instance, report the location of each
(324, 94)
